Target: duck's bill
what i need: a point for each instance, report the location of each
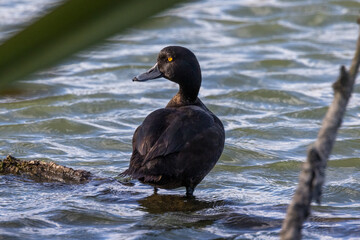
(152, 73)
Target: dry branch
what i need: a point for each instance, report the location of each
(312, 175)
(43, 171)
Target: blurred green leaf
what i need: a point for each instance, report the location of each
(71, 27)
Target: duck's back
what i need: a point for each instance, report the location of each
(176, 146)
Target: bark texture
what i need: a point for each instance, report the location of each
(43, 171)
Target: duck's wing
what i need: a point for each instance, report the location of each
(148, 133)
(145, 137)
(172, 140)
(185, 128)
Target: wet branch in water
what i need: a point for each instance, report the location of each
(43, 171)
(312, 175)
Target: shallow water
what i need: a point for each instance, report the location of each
(267, 69)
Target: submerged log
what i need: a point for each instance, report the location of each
(43, 171)
(312, 176)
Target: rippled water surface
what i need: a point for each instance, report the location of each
(267, 71)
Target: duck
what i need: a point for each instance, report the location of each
(176, 146)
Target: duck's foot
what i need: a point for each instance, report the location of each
(189, 191)
(155, 190)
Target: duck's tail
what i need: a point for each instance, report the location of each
(141, 177)
(125, 173)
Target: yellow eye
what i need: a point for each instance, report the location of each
(170, 59)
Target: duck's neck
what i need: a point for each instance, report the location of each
(185, 96)
(188, 93)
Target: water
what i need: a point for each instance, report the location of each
(267, 69)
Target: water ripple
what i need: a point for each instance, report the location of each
(267, 73)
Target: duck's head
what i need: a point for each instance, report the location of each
(179, 65)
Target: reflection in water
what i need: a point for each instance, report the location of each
(159, 203)
(164, 208)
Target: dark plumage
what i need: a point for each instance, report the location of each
(177, 145)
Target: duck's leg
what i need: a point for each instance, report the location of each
(189, 191)
(155, 190)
